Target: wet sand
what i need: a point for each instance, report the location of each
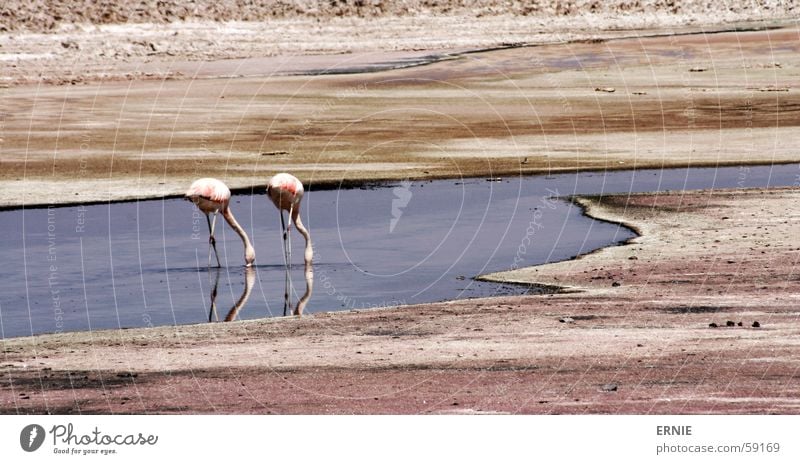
(691, 100)
(635, 336)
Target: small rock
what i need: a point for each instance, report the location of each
(566, 319)
(610, 387)
(739, 324)
(605, 89)
(713, 325)
(616, 284)
(730, 323)
(698, 69)
(756, 324)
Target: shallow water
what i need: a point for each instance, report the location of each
(144, 263)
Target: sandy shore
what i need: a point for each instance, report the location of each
(665, 101)
(635, 338)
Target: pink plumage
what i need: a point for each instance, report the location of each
(285, 191)
(212, 196)
(210, 189)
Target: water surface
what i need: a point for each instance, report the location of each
(144, 263)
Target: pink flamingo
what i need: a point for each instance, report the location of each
(213, 196)
(286, 191)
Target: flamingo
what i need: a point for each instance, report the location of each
(286, 191)
(212, 196)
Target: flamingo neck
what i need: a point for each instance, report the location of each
(248, 247)
(309, 252)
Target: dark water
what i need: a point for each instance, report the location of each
(144, 263)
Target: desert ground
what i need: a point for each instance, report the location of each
(648, 100)
(696, 315)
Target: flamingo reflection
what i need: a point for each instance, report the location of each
(249, 282)
(301, 304)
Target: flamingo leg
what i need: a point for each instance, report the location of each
(289, 254)
(213, 240)
(285, 264)
(210, 237)
(289, 242)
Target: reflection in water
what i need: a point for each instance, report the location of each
(301, 305)
(249, 282)
(213, 312)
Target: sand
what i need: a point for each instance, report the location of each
(691, 100)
